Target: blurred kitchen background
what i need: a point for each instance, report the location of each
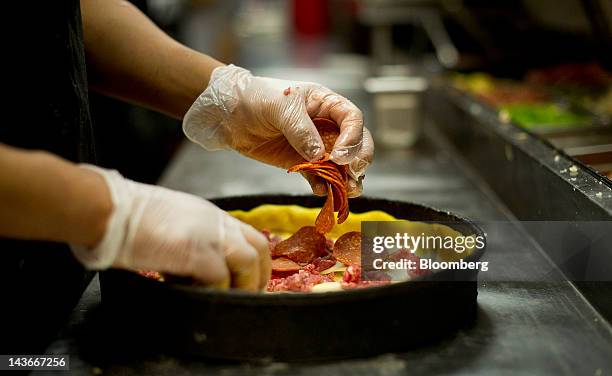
(495, 110)
(543, 64)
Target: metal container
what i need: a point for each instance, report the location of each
(398, 107)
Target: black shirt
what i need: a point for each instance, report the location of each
(45, 108)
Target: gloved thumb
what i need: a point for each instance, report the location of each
(303, 136)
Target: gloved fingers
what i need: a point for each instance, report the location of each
(276, 152)
(355, 187)
(260, 243)
(318, 185)
(241, 257)
(300, 131)
(322, 102)
(181, 257)
(243, 262)
(359, 164)
(356, 170)
(208, 268)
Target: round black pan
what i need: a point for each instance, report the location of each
(236, 325)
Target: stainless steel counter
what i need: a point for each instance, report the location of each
(522, 327)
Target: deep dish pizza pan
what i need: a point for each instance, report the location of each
(236, 325)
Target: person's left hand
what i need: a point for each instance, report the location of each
(270, 120)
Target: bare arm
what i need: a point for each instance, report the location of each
(130, 58)
(44, 197)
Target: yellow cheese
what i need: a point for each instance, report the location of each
(338, 267)
(285, 220)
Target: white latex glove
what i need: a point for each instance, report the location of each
(154, 228)
(270, 120)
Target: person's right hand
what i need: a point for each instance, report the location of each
(154, 228)
(270, 120)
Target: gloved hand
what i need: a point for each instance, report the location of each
(154, 228)
(270, 120)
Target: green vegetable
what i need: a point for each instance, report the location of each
(549, 114)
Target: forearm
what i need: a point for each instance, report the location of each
(46, 198)
(130, 58)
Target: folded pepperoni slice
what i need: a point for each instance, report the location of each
(325, 220)
(335, 175)
(347, 248)
(303, 246)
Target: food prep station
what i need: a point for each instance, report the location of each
(471, 160)
(520, 326)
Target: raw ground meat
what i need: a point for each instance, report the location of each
(150, 274)
(352, 274)
(352, 278)
(406, 254)
(302, 281)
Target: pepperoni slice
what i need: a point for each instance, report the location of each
(283, 264)
(283, 267)
(347, 248)
(320, 264)
(325, 220)
(303, 246)
(335, 175)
